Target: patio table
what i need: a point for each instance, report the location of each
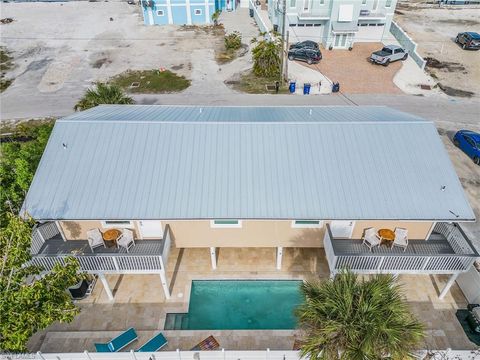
(386, 236)
(110, 237)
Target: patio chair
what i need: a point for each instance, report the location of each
(370, 238)
(154, 344)
(401, 238)
(95, 238)
(118, 343)
(126, 239)
(210, 343)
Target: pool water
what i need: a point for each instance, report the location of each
(242, 304)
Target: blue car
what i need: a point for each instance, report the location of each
(469, 143)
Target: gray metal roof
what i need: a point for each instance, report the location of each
(167, 162)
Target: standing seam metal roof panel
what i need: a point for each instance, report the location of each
(164, 162)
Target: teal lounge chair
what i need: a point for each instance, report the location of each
(118, 343)
(154, 344)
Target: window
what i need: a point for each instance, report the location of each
(300, 25)
(198, 11)
(388, 3)
(363, 24)
(372, 25)
(470, 141)
(317, 25)
(117, 223)
(160, 13)
(308, 24)
(293, 3)
(291, 25)
(226, 223)
(364, 2)
(306, 5)
(322, 2)
(380, 24)
(307, 224)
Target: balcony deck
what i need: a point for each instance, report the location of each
(437, 244)
(57, 246)
(447, 251)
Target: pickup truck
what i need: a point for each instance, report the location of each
(388, 54)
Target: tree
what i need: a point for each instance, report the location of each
(266, 58)
(21, 154)
(30, 300)
(346, 318)
(102, 94)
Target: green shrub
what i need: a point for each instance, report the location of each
(266, 58)
(233, 41)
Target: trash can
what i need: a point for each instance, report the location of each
(292, 86)
(335, 87)
(251, 12)
(306, 88)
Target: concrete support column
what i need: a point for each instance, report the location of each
(106, 286)
(448, 286)
(279, 257)
(213, 257)
(163, 279)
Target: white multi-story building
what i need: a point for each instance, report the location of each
(334, 23)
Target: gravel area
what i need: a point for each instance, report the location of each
(434, 29)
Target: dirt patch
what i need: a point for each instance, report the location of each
(247, 82)
(455, 92)
(223, 56)
(444, 65)
(205, 29)
(100, 62)
(464, 22)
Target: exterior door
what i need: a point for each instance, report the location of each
(340, 40)
(150, 229)
(342, 229)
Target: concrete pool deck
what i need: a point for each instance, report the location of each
(140, 303)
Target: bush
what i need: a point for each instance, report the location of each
(233, 41)
(266, 58)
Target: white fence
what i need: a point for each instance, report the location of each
(224, 355)
(407, 43)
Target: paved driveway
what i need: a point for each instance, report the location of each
(355, 73)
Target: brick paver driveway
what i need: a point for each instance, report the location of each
(355, 73)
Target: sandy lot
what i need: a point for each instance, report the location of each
(60, 49)
(355, 73)
(435, 29)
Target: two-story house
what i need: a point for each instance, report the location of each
(334, 23)
(150, 178)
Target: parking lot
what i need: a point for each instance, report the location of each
(355, 73)
(434, 29)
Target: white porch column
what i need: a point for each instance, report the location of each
(213, 257)
(448, 286)
(106, 286)
(279, 257)
(166, 290)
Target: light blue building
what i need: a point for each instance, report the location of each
(334, 23)
(183, 12)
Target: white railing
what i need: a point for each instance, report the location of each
(167, 243)
(104, 263)
(40, 233)
(262, 25)
(460, 261)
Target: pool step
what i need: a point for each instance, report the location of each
(176, 321)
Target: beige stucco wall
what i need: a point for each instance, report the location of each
(253, 233)
(77, 230)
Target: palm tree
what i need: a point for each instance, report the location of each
(102, 94)
(266, 58)
(349, 318)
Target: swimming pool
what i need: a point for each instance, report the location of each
(239, 305)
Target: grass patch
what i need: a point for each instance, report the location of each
(6, 64)
(252, 84)
(150, 81)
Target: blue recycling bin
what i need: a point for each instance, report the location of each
(306, 89)
(292, 86)
(335, 87)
